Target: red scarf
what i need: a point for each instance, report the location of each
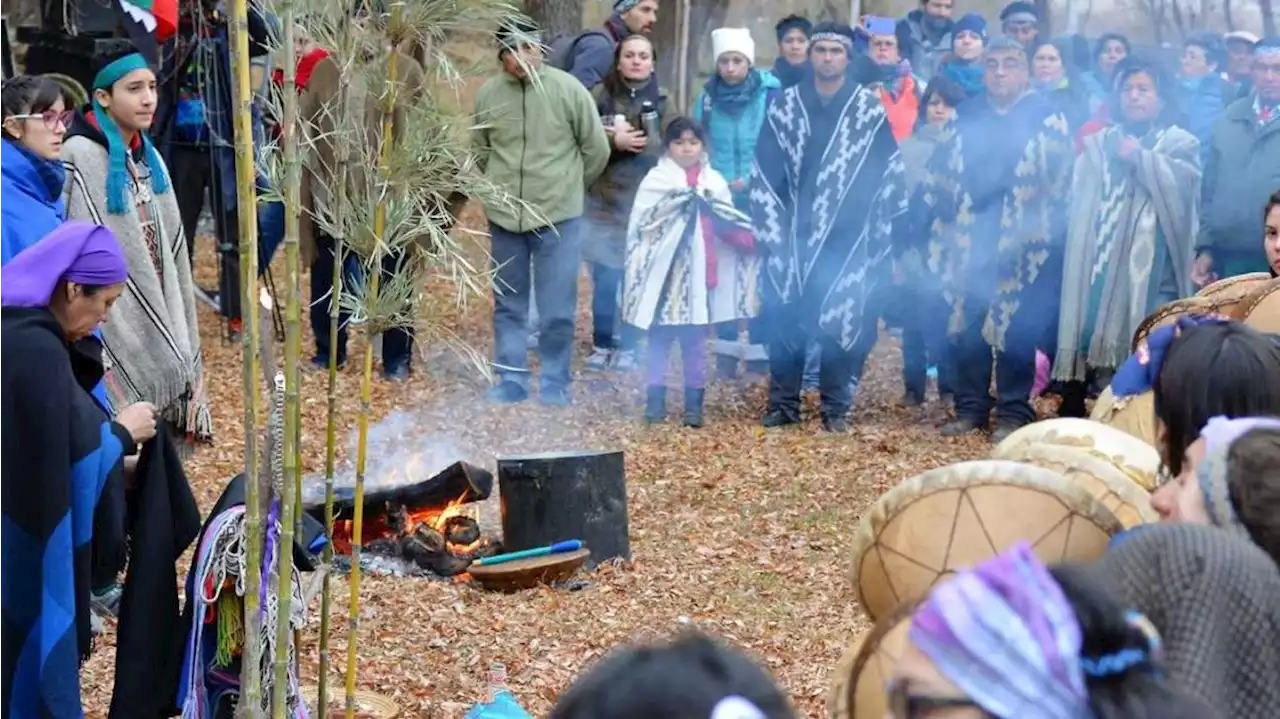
(738, 237)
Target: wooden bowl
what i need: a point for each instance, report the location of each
(1261, 308)
(1135, 459)
(527, 573)
(1130, 502)
(957, 516)
(857, 684)
(368, 704)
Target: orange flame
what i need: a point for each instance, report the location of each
(378, 527)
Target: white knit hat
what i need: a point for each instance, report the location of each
(733, 39)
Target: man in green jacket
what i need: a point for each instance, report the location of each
(542, 140)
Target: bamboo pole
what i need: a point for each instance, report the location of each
(291, 485)
(246, 202)
(342, 161)
(366, 388)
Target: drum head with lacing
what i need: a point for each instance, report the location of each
(960, 515)
(858, 684)
(1130, 503)
(1133, 457)
(1261, 308)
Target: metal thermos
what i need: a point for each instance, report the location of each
(649, 119)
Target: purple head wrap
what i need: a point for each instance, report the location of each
(75, 251)
(1005, 634)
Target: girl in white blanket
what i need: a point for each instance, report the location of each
(690, 264)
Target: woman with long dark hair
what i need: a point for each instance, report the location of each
(634, 109)
(1131, 226)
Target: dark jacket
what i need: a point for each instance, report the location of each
(927, 48)
(1242, 170)
(610, 197)
(593, 53)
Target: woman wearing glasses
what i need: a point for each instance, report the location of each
(1014, 639)
(35, 121)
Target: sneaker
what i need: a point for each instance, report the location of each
(322, 363)
(106, 601)
(776, 417)
(625, 361)
(599, 358)
(912, 399)
(396, 374)
(507, 392)
(1002, 431)
(554, 397)
(961, 428)
(835, 425)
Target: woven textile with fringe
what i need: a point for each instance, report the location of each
(1031, 212)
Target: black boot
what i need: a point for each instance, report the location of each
(655, 404)
(693, 406)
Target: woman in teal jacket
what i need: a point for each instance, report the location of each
(731, 107)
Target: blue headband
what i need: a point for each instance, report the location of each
(117, 152)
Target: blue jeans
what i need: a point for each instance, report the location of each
(546, 259)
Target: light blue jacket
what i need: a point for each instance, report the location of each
(733, 137)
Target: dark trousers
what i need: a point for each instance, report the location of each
(606, 331)
(196, 170)
(924, 339)
(397, 343)
(789, 341)
(1015, 367)
(544, 261)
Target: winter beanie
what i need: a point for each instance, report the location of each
(973, 22)
(733, 39)
(622, 6)
(792, 22)
(1019, 11)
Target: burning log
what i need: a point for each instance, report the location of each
(462, 531)
(458, 483)
(556, 496)
(428, 548)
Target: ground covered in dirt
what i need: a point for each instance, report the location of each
(737, 531)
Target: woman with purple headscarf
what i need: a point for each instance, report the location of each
(62, 462)
(1013, 639)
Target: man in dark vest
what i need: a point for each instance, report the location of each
(590, 55)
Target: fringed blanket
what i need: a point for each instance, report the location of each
(1133, 223)
(669, 261)
(1018, 210)
(827, 186)
(152, 341)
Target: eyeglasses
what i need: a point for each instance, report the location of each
(903, 704)
(52, 118)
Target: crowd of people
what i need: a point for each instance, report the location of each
(987, 193)
(1002, 199)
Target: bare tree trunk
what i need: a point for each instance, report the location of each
(1044, 8)
(1227, 15)
(704, 15)
(1084, 19)
(1268, 18)
(556, 18)
(1179, 20)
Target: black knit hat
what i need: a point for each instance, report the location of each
(793, 22)
(514, 32)
(1018, 7)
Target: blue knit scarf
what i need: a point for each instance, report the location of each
(117, 150)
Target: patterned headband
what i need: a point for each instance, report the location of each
(1021, 18)
(832, 37)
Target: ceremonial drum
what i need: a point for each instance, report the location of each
(954, 517)
(1138, 461)
(1130, 503)
(1236, 287)
(857, 685)
(1261, 308)
(1223, 304)
(1135, 416)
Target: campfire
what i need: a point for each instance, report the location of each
(433, 525)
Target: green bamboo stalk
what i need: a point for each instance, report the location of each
(379, 228)
(246, 200)
(291, 485)
(339, 190)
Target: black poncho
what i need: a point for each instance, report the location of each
(62, 458)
